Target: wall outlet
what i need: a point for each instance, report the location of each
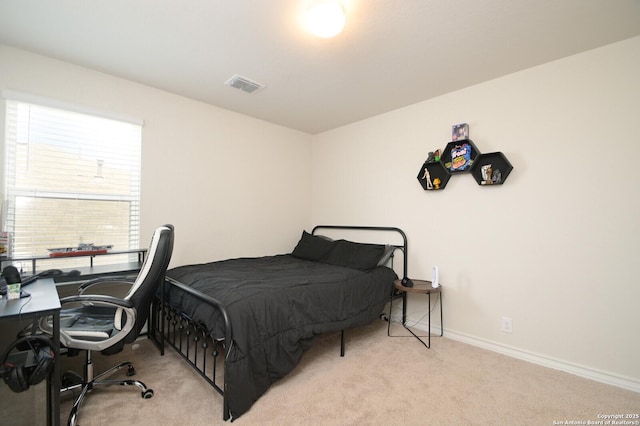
(507, 325)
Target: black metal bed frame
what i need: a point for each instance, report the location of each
(193, 341)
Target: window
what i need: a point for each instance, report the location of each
(70, 179)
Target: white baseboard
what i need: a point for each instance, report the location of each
(557, 364)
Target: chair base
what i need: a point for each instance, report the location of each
(88, 384)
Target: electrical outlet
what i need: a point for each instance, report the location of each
(507, 325)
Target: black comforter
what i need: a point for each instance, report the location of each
(277, 305)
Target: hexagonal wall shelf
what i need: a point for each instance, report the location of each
(491, 169)
(459, 156)
(433, 176)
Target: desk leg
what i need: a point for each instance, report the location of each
(53, 388)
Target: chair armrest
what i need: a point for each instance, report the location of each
(103, 281)
(101, 299)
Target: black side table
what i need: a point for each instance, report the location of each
(422, 287)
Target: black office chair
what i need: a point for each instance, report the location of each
(106, 323)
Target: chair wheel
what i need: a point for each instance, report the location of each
(131, 371)
(147, 394)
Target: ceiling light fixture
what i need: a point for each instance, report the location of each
(326, 18)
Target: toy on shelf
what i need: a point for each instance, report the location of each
(460, 132)
(433, 157)
(459, 157)
(427, 178)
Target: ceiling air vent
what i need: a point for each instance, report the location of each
(244, 84)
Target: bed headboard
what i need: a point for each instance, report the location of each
(398, 231)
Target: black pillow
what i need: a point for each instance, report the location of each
(354, 255)
(312, 247)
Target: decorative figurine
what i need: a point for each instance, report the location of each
(497, 176)
(437, 182)
(486, 174)
(427, 178)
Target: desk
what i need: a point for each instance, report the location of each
(422, 287)
(43, 301)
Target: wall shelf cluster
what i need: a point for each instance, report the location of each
(462, 156)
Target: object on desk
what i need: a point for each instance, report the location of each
(435, 283)
(31, 279)
(12, 278)
(406, 281)
(13, 291)
(45, 274)
(81, 250)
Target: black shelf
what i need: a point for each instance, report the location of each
(465, 163)
(89, 257)
(437, 174)
(499, 166)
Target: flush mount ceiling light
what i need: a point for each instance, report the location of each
(326, 18)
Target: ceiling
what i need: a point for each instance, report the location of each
(392, 53)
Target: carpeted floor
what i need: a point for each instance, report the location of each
(380, 381)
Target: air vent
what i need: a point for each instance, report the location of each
(244, 84)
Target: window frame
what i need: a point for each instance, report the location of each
(11, 194)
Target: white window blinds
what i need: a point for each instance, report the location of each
(70, 179)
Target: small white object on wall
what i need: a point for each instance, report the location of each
(434, 278)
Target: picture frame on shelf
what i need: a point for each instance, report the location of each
(460, 132)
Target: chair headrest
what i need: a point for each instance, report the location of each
(157, 260)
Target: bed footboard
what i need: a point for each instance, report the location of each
(192, 340)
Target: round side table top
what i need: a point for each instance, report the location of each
(419, 286)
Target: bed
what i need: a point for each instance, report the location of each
(259, 315)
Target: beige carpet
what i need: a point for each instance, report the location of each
(380, 381)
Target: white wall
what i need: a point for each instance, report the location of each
(555, 248)
(232, 185)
